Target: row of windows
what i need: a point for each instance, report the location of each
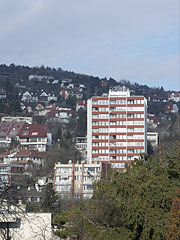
(123, 151)
(107, 116)
(100, 130)
(118, 130)
(135, 129)
(100, 116)
(116, 109)
(101, 123)
(116, 144)
(111, 123)
(118, 165)
(120, 151)
(106, 102)
(120, 158)
(124, 115)
(111, 137)
(103, 137)
(100, 144)
(117, 115)
(100, 102)
(63, 188)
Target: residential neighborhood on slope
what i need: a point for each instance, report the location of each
(61, 132)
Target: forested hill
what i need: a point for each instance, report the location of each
(94, 85)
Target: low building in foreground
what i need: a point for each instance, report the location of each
(26, 226)
(75, 180)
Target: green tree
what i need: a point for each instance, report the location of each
(130, 206)
(174, 219)
(51, 202)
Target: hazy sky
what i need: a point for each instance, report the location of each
(137, 40)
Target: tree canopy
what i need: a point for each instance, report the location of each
(134, 205)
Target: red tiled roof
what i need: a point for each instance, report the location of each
(33, 130)
(11, 128)
(27, 153)
(4, 154)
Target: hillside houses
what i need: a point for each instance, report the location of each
(9, 132)
(14, 164)
(28, 136)
(61, 115)
(32, 156)
(37, 97)
(175, 96)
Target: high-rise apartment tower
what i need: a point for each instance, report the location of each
(116, 127)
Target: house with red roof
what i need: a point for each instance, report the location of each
(13, 164)
(9, 131)
(35, 137)
(33, 156)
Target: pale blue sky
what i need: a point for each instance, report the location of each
(137, 40)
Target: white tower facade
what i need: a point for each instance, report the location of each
(116, 127)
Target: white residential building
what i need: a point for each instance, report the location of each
(75, 180)
(116, 127)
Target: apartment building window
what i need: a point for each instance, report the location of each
(103, 130)
(95, 130)
(118, 165)
(94, 116)
(112, 122)
(103, 102)
(138, 129)
(78, 178)
(103, 158)
(130, 115)
(95, 137)
(120, 101)
(113, 116)
(95, 109)
(130, 151)
(103, 109)
(103, 123)
(121, 108)
(95, 144)
(112, 137)
(139, 101)
(103, 137)
(130, 101)
(95, 123)
(103, 144)
(103, 116)
(130, 129)
(95, 151)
